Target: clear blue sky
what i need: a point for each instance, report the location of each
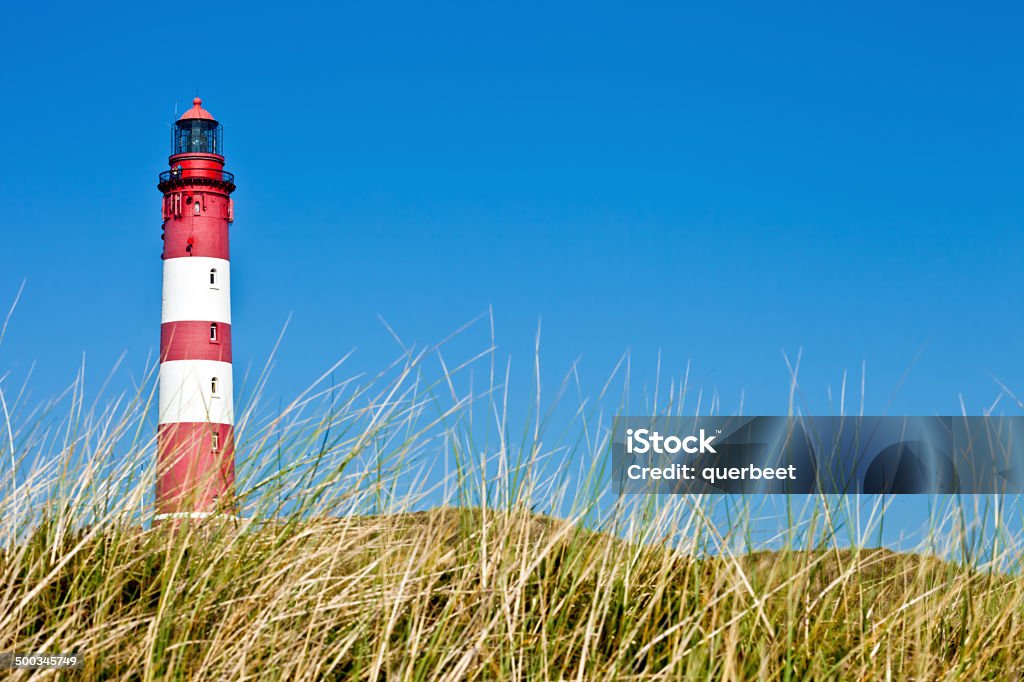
(719, 181)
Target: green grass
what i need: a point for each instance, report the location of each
(333, 569)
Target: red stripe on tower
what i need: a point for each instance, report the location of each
(195, 340)
(195, 439)
(195, 470)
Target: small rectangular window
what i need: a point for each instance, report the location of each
(213, 332)
(215, 441)
(213, 387)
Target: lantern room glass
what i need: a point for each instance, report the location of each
(198, 136)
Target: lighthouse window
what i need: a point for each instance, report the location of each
(198, 135)
(213, 386)
(196, 208)
(213, 332)
(215, 441)
(213, 278)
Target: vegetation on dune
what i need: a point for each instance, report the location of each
(348, 559)
(461, 593)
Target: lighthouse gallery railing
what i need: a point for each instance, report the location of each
(203, 174)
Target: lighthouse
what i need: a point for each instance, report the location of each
(195, 438)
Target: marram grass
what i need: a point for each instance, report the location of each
(355, 554)
(460, 593)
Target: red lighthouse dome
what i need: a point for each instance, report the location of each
(196, 111)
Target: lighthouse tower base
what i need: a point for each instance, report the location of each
(192, 477)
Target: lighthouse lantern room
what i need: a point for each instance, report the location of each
(195, 439)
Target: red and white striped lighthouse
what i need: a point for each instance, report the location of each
(195, 451)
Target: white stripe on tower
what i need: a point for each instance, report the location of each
(196, 391)
(197, 288)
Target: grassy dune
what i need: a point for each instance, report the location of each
(455, 594)
(328, 568)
